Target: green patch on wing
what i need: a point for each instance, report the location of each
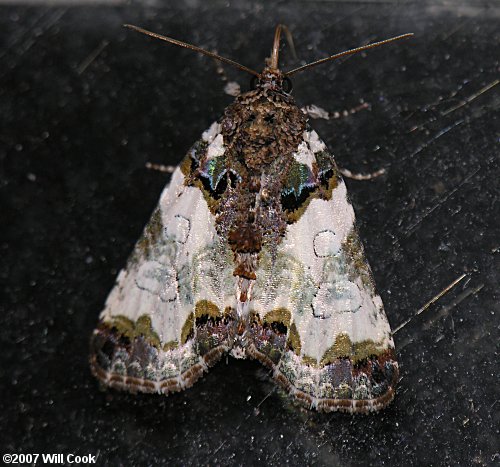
(357, 266)
(325, 162)
(151, 235)
(293, 341)
(278, 315)
(142, 327)
(202, 308)
(356, 352)
(321, 190)
(215, 169)
(299, 176)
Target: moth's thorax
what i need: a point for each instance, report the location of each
(259, 168)
(261, 130)
(261, 126)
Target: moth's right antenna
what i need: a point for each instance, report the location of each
(191, 47)
(348, 52)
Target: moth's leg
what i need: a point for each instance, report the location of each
(316, 112)
(359, 176)
(232, 88)
(168, 169)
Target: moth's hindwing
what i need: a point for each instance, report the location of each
(170, 314)
(317, 320)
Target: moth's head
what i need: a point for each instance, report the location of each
(272, 79)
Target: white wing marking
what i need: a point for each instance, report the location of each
(184, 266)
(211, 133)
(307, 149)
(314, 141)
(216, 147)
(304, 155)
(311, 278)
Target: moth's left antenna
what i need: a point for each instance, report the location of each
(191, 47)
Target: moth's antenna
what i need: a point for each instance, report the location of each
(276, 45)
(191, 47)
(348, 52)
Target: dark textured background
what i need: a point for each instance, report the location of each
(84, 104)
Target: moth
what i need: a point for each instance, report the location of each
(252, 251)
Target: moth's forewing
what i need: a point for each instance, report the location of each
(167, 318)
(317, 293)
(253, 249)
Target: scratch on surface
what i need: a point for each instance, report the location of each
(413, 226)
(387, 2)
(265, 397)
(446, 309)
(91, 57)
(33, 33)
(247, 417)
(432, 105)
(220, 447)
(430, 302)
(455, 30)
(342, 18)
(452, 95)
(469, 99)
(433, 139)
